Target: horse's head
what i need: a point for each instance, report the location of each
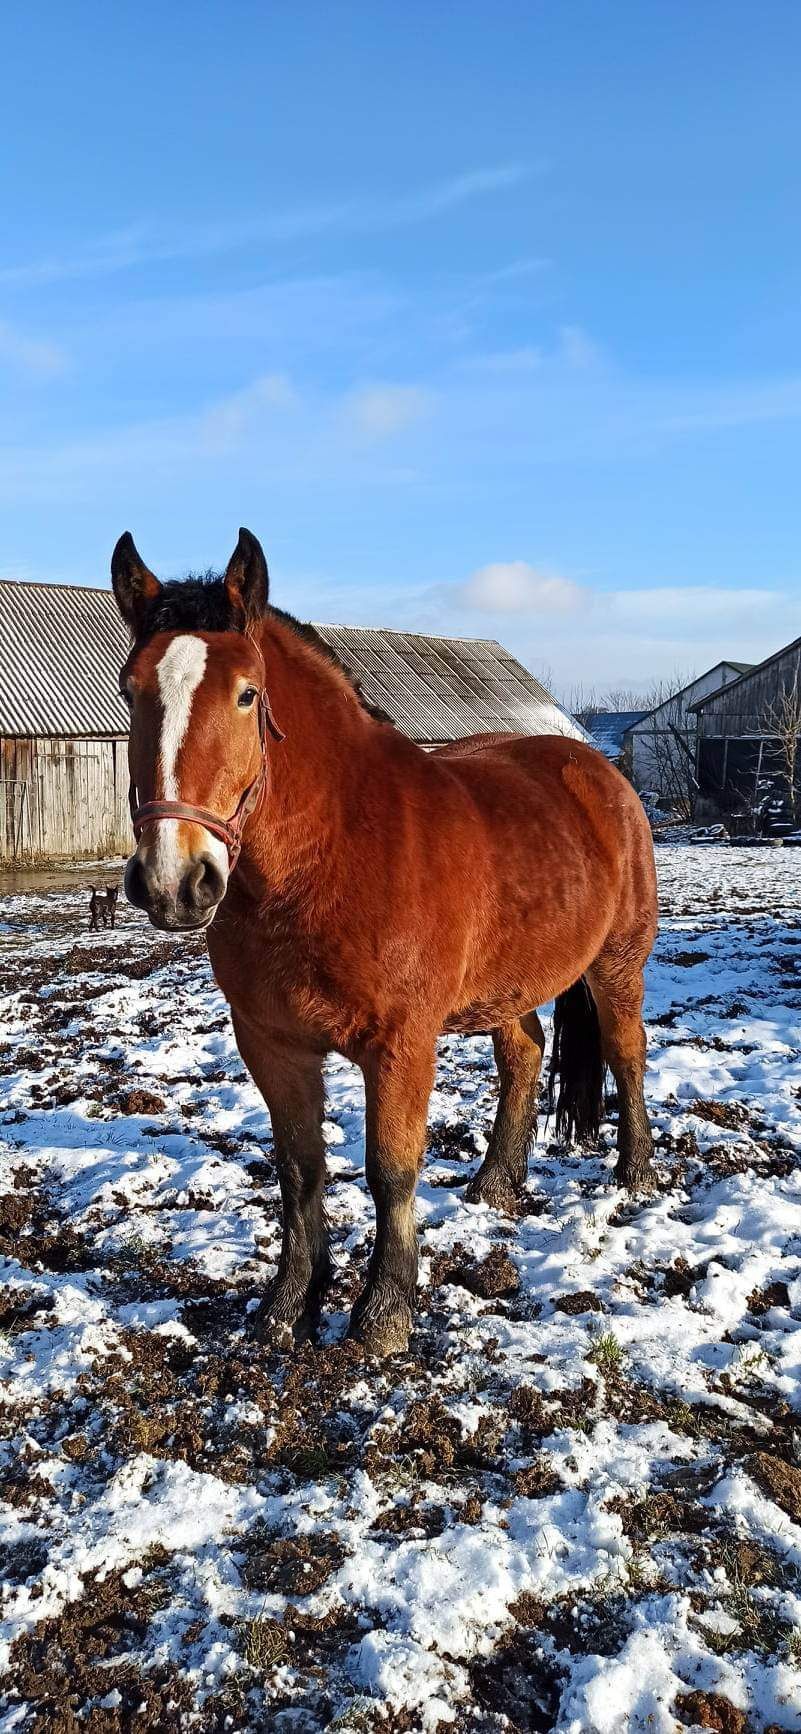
(195, 686)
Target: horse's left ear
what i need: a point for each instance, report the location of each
(247, 580)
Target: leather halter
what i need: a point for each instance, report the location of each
(230, 830)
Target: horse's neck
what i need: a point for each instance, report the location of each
(294, 838)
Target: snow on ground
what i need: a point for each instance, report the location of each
(575, 1505)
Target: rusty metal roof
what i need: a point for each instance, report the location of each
(61, 649)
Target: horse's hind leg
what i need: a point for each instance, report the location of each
(518, 1055)
(291, 1082)
(617, 989)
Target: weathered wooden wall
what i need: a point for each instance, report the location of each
(63, 799)
(742, 709)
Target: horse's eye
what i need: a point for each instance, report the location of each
(247, 697)
(126, 696)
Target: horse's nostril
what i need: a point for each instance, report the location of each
(137, 888)
(203, 886)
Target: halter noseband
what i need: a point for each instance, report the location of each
(230, 830)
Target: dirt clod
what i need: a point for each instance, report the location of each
(140, 1102)
(583, 1301)
(710, 1710)
(782, 1481)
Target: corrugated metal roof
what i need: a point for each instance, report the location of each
(61, 649)
(441, 689)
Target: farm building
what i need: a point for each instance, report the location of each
(63, 727)
(661, 744)
(742, 761)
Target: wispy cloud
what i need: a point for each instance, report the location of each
(377, 411)
(517, 270)
(143, 243)
(688, 608)
(224, 426)
(527, 359)
(30, 355)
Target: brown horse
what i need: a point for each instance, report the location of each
(382, 895)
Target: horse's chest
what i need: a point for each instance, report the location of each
(271, 973)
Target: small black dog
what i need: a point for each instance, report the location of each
(102, 907)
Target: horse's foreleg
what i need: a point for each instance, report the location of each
(617, 989)
(397, 1089)
(518, 1055)
(291, 1082)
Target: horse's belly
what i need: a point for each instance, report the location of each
(483, 1015)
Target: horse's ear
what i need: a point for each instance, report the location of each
(135, 586)
(247, 580)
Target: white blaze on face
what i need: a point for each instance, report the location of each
(179, 674)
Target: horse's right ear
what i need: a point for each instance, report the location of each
(135, 586)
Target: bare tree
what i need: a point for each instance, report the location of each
(782, 720)
(623, 698)
(586, 701)
(580, 700)
(665, 752)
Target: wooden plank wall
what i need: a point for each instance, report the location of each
(63, 800)
(741, 710)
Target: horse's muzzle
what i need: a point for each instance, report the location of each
(191, 904)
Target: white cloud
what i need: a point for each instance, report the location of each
(515, 587)
(32, 355)
(378, 411)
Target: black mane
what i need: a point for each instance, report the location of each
(201, 603)
(197, 603)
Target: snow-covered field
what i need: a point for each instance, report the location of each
(575, 1505)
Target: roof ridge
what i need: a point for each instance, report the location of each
(46, 584)
(410, 632)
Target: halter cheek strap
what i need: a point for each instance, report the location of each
(230, 830)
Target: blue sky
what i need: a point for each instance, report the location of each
(485, 318)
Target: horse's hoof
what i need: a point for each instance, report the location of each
(492, 1187)
(274, 1333)
(641, 1182)
(280, 1334)
(382, 1331)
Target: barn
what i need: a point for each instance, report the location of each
(63, 727)
(662, 743)
(747, 731)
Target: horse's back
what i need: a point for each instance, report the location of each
(560, 767)
(566, 804)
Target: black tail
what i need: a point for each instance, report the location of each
(577, 1065)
